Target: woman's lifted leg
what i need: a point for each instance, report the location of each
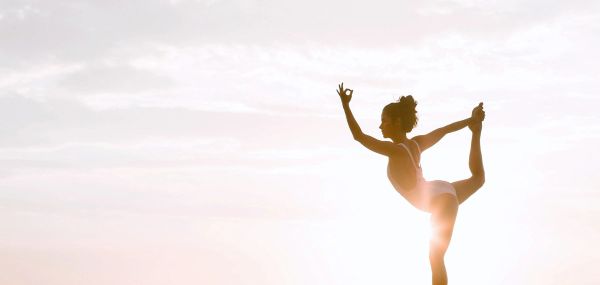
(466, 188)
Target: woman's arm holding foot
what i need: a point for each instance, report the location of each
(430, 139)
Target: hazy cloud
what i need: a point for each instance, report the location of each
(36, 31)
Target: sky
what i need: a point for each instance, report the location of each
(202, 142)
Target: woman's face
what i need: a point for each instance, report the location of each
(388, 126)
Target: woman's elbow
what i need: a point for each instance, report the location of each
(359, 137)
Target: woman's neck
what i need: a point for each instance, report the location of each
(399, 138)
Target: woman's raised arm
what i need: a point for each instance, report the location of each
(373, 144)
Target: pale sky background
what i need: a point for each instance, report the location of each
(202, 142)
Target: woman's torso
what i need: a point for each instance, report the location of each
(405, 174)
(405, 169)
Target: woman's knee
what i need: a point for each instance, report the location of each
(440, 238)
(437, 251)
(478, 179)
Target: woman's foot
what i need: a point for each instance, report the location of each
(477, 117)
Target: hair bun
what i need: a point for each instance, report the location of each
(408, 103)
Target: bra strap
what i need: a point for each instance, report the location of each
(410, 154)
(418, 148)
(417, 144)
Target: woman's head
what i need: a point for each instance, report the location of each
(400, 116)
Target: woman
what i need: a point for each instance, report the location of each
(439, 198)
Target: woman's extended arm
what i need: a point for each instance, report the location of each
(428, 140)
(381, 147)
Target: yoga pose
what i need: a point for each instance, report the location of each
(440, 198)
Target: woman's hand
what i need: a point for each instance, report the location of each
(345, 94)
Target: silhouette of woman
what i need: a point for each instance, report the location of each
(440, 198)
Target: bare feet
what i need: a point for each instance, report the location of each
(477, 117)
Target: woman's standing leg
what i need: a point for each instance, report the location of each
(443, 215)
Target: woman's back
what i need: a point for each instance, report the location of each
(404, 170)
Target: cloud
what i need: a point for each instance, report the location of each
(145, 69)
(244, 89)
(113, 79)
(83, 30)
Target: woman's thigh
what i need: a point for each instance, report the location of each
(444, 209)
(465, 188)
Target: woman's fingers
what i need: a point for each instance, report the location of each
(340, 91)
(345, 94)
